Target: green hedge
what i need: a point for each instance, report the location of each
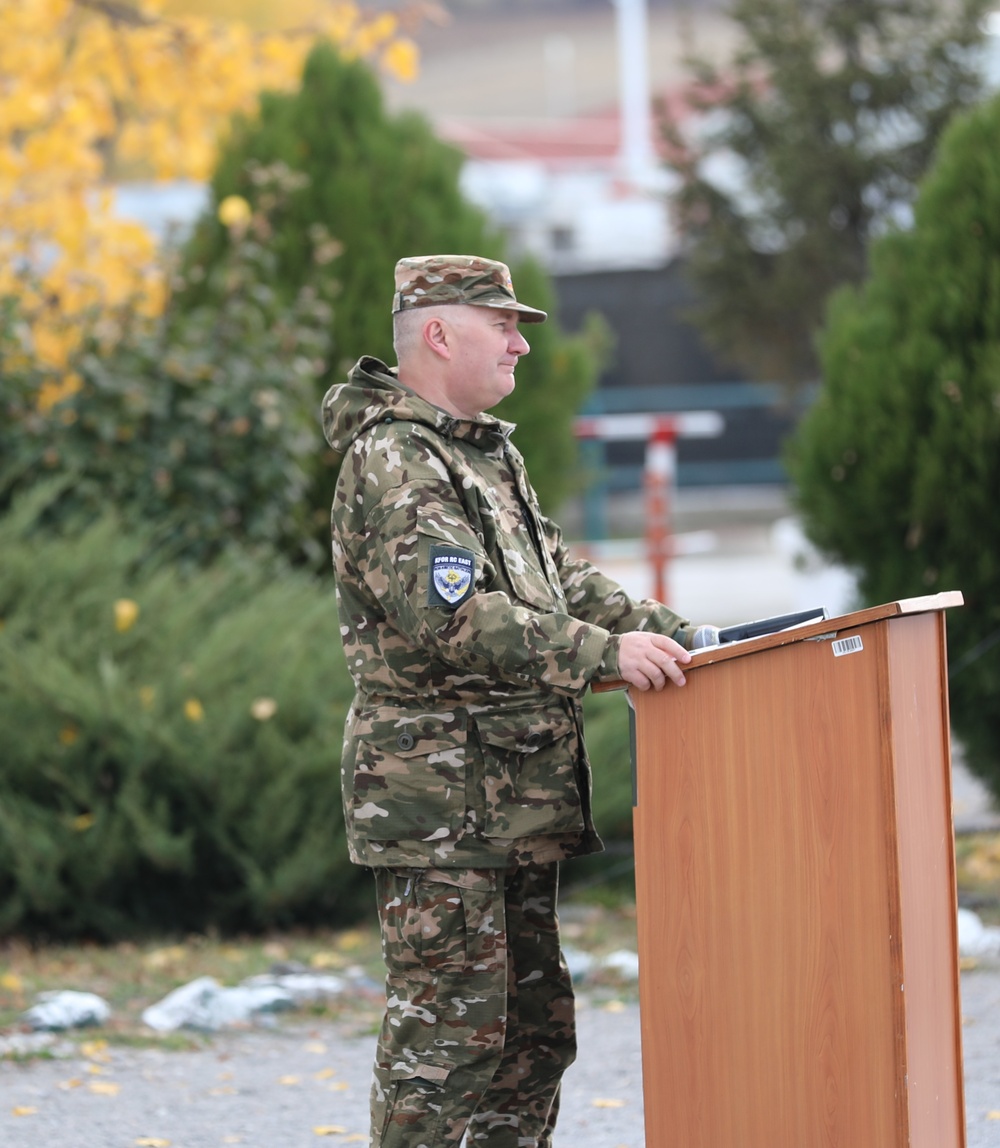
(178, 774)
(170, 741)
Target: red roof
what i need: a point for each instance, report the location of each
(592, 140)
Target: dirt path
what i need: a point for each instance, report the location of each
(302, 1085)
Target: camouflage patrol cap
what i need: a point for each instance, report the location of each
(430, 280)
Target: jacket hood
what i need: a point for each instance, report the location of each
(373, 394)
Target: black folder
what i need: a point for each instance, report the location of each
(762, 626)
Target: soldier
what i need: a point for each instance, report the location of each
(471, 635)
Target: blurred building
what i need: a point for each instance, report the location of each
(557, 189)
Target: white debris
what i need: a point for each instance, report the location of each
(17, 1044)
(204, 1004)
(61, 1009)
(976, 939)
(303, 988)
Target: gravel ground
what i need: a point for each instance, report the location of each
(981, 1055)
(304, 1084)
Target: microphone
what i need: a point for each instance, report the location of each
(704, 637)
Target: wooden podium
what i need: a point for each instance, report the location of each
(795, 883)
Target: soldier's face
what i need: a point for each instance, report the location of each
(488, 345)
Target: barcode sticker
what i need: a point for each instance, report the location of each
(851, 645)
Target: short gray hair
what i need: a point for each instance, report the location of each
(407, 326)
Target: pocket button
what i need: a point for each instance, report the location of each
(405, 741)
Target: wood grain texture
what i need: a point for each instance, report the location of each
(770, 907)
(922, 772)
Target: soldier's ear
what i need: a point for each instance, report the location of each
(438, 337)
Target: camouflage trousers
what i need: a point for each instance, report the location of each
(479, 1024)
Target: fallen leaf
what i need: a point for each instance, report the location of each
(965, 964)
(614, 1006)
(340, 1086)
(994, 1115)
(95, 1050)
(358, 1136)
(152, 1142)
(104, 1087)
(289, 1080)
(222, 1090)
(329, 1130)
(326, 960)
(232, 1139)
(161, 958)
(316, 1046)
(599, 1103)
(11, 982)
(324, 1074)
(24, 1110)
(352, 939)
(94, 1069)
(73, 1082)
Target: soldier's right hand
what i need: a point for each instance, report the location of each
(648, 660)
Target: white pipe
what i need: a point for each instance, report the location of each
(636, 156)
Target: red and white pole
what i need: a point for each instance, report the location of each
(660, 471)
(659, 476)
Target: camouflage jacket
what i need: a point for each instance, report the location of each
(470, 634)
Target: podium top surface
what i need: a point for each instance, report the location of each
(822, 627)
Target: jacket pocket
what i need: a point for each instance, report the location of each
(527, 580)
(409, 778)
(530, 771)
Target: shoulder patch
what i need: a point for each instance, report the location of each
(452, 576)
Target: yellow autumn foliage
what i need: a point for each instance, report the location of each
(92, 92)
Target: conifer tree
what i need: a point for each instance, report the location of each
(898, 463)
(377, 187)
(381, 186)
(822, 128)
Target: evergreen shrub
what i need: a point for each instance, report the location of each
(170, 741)
(608, 746)
(897, 466)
